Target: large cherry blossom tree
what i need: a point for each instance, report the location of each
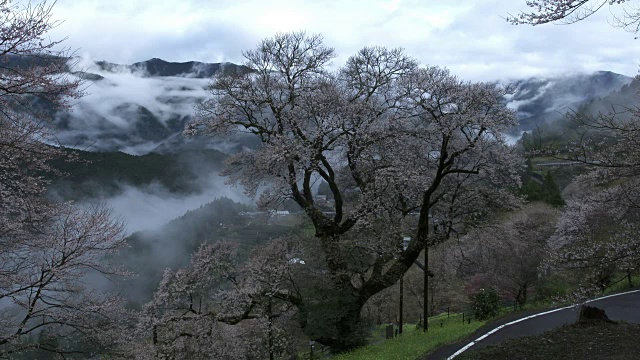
(404, 149)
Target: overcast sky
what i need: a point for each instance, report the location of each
(468, 36)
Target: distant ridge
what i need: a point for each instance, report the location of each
(147, 111)
(158, 68)
(539, 100)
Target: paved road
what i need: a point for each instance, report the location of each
(624, 306)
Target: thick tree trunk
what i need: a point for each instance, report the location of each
(334, 319)
(521, 297)
(332, 311)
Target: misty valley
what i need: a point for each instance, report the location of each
(302, 204)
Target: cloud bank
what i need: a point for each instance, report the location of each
(127, 111)
(470, 37)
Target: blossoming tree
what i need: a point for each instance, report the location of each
(47, 249)
(404, 149)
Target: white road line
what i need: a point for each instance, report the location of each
(466, 347)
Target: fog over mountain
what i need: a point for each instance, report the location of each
(135, 108)
(538, 100)
(153, 206)
(143, 107)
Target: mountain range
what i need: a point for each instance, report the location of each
(540, 100)
(135, 108)
(143, 107)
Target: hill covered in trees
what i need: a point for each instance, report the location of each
(105, 174)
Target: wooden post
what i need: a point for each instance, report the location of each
(426, 289)
(401, 299)
(389, 331)
(311, 343)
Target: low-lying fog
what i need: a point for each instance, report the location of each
(152, 206)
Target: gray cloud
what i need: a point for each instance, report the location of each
(155, 94)
(468, 36)
(127, 111)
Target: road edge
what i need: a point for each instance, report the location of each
(473, 342)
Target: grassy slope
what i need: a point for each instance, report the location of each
(413, 342)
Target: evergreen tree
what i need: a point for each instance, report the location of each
(551, 191)
(547, 191)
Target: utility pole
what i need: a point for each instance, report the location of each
(405, 244)
(427, 274)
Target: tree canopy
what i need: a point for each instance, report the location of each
(47, 249)
(398, 144)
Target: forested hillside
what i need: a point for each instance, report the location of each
(104, 174)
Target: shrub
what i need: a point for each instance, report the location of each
(552, 288)
(486, 304)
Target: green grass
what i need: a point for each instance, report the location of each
(622, 284)
(414, 343)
